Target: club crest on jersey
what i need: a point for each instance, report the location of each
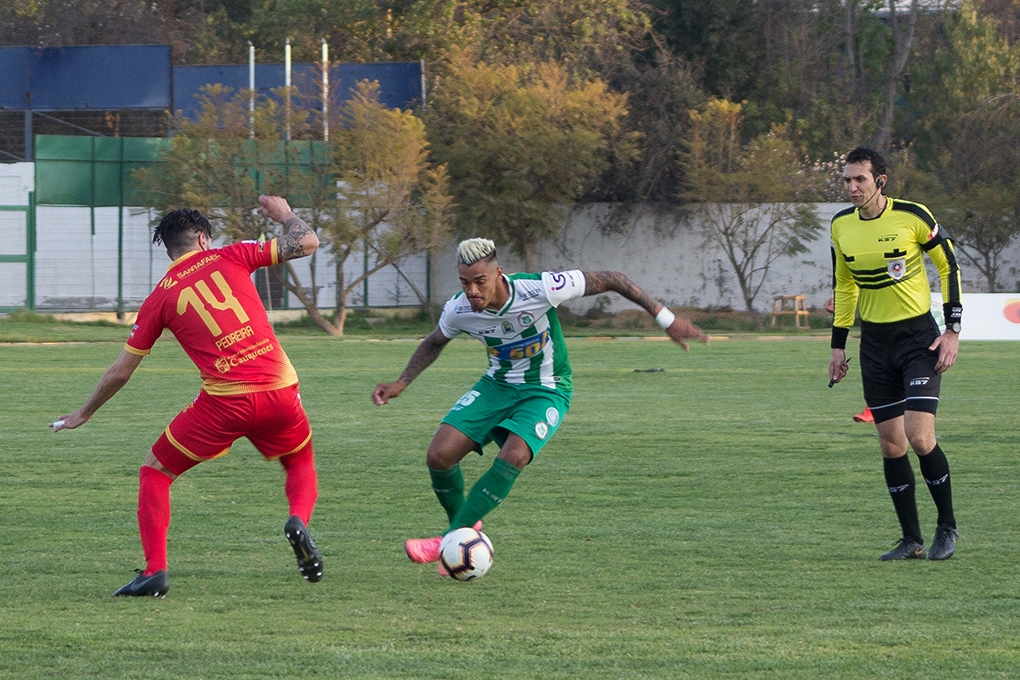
(896, 268)
(507, 327)
(222, 365)
(525, 318)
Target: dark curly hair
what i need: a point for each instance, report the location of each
(179, 228)
(866, 153)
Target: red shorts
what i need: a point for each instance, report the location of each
(274, 421)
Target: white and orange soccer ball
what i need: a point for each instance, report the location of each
(466, 554)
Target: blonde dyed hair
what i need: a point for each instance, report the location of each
(475, 249)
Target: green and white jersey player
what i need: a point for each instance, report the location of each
(521, 400)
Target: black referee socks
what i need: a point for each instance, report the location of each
(935, 470)
(899, 477)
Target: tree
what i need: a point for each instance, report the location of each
(520, 144)
(975, 192)
(968, 135)
(902, 38)
(370, 187)
(747, 195)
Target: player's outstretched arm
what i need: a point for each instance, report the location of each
(677, 328)
(114, 378)
(423, 356)
(300, 239)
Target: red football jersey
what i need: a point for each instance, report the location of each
(208, 301)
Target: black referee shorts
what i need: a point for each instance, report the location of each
(898, 369)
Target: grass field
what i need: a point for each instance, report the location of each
(719, 519)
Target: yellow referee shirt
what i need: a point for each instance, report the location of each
(879, 264)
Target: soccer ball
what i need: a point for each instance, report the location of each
(466, 553)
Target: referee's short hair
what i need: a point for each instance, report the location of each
(866, 153)
(475, 250)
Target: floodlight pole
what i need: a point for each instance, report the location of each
(286, 67)
(251, 90)
(325, 91)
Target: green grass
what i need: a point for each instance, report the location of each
(720, 519)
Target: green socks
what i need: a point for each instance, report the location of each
(449, 488)
(488, 492)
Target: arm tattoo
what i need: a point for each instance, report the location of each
(600, 282)
(290, 243)
(427, 352)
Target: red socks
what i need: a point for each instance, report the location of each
(302, 485)
(153, 516)
(301, 488)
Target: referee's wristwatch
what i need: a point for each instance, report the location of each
(955, 327)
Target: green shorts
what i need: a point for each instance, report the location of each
(490, 410)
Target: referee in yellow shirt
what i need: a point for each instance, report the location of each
(877, 255)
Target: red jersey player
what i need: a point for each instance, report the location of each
(207, 299)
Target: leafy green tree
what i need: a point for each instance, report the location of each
(520, 144)
(968, 138)
(749, 195)
(370, 187)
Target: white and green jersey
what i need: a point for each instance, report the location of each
(523, 338)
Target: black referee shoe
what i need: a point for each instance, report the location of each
(944, 544)
(155, 585)
(906, 549)
(309, 559)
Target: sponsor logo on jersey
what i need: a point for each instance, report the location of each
(488, 331)
(897, 268)
(224, 364)
(198, 265)
(552, 415)
(462, 309)
(525, 318)
(542, 430)
(522, 349)
(133, 329)
(526, 295)
(918, 382)
(887, 237)
(559, 280)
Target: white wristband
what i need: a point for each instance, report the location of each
(664, 318)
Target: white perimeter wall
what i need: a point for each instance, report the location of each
(671, 261)
(77, 269)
